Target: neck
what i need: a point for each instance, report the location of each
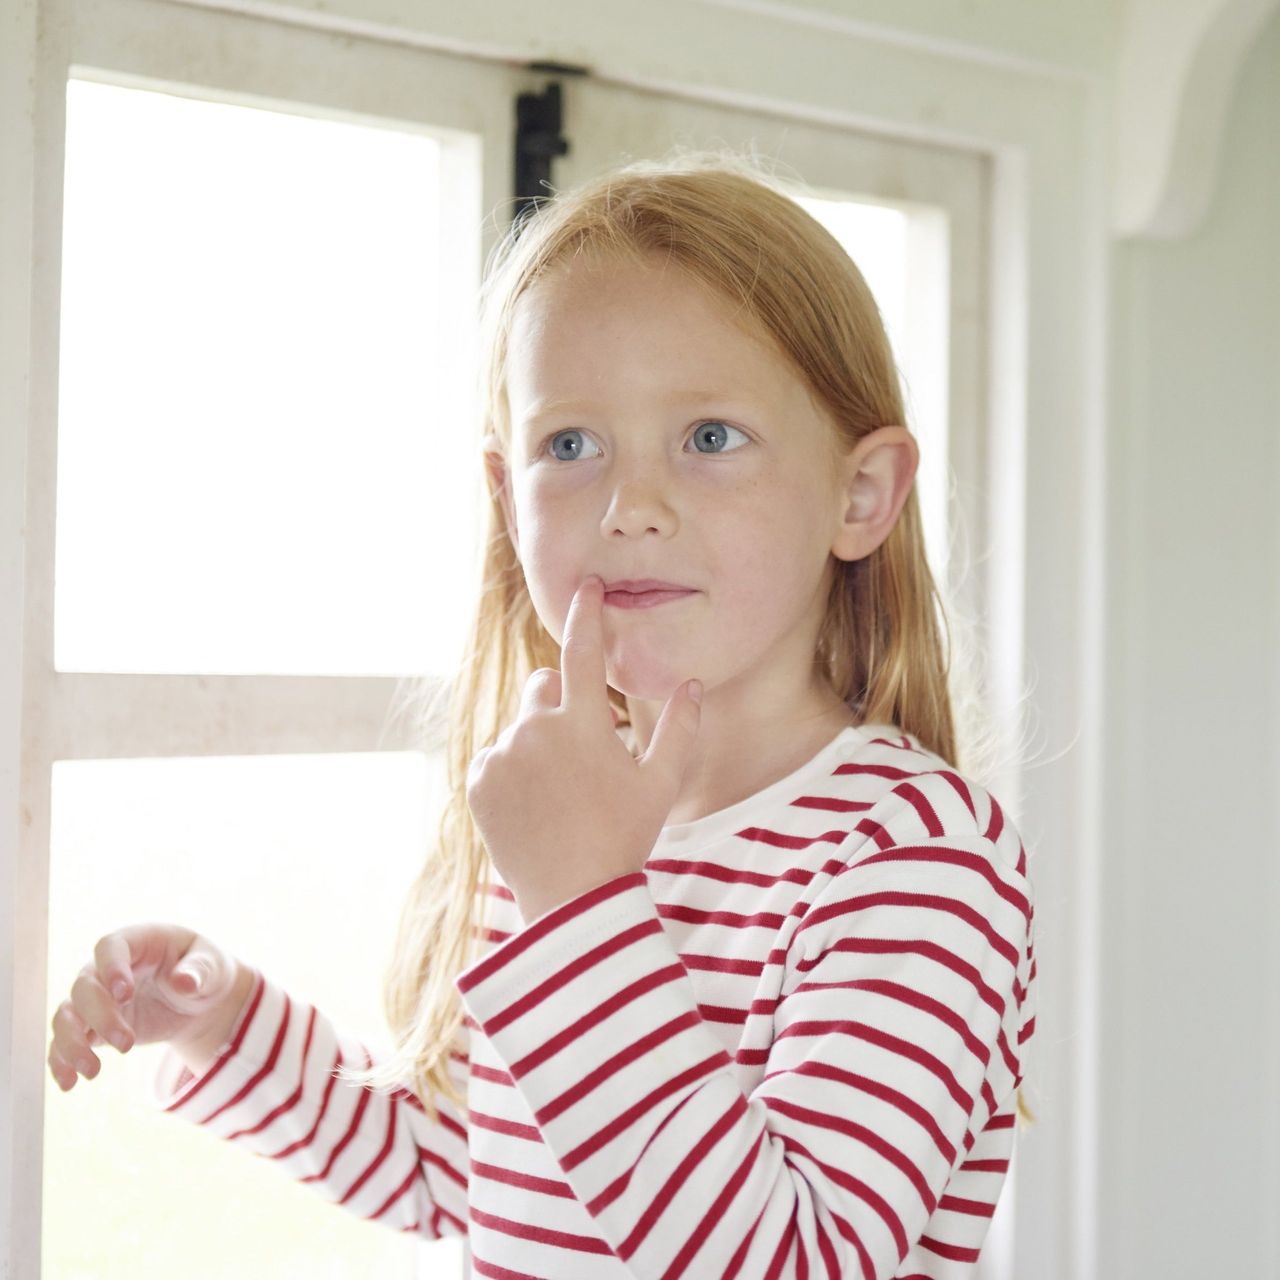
(744, 746)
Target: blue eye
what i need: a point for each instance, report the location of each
(574, 453)
(713, 429)
(718, 429)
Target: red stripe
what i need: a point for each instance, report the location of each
(832, 804)
(525, 1181)
(723, 964)
(459, 1227)
(784, 840)
(962, 789)
(977, 1208)
(953, 1252)
(492, 1271)
(852, 769)
(828, 1249)
(734, 919)
(540, 1235)
(509, 1128)
(921, 804)
(427, 1156)
(689, 868)
(548, 923)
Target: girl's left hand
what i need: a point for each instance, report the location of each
(559, 801)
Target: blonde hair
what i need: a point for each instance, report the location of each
(724, 220)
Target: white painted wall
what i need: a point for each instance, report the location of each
(1191, 889)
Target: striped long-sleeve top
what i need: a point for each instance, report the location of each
(788, 1047)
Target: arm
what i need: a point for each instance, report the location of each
(894, 1037)
(268, 1086)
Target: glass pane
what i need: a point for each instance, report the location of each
(881, 238)
(296, 864)
(263, 441)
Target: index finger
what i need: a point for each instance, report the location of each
(582, 674)
(114, 961)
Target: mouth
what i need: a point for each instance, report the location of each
(638, 585)
(648, 599)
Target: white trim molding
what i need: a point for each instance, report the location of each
(1176, 66)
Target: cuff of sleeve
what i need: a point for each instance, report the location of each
(249, 1045)
(551, 941)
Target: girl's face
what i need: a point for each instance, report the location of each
(653, 438)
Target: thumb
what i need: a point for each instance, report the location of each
(674, 735)
(199, 970)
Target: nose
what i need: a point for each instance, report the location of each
(640, 505)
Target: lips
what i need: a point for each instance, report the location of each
(638, 585)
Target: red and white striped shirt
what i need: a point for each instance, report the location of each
(786, 1048)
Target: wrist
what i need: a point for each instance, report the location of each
(200, 1049)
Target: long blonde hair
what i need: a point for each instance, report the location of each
(726, 221)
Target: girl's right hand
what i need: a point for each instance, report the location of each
(173, 985)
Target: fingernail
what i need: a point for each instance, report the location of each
(119, 990)
(695, 690)
(119, 1039)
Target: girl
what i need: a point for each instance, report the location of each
(755, 974)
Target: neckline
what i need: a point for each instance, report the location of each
(723, 822)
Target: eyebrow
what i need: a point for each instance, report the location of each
(552, 407)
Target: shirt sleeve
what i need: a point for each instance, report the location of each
(894, 1038)
(272, 1090)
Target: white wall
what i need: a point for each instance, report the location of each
(1192, 870)
(1070, 35)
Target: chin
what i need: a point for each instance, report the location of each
(646, 679)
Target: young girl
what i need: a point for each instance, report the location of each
(721, 966)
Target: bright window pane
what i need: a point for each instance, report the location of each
(296, 864)
(261, 447)
(882, 240)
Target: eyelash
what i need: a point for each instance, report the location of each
(564, 431)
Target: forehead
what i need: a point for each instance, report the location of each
(591, 325)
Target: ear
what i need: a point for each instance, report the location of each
(495, 463)
(876, 477)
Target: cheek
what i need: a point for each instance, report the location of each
(765, 552)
